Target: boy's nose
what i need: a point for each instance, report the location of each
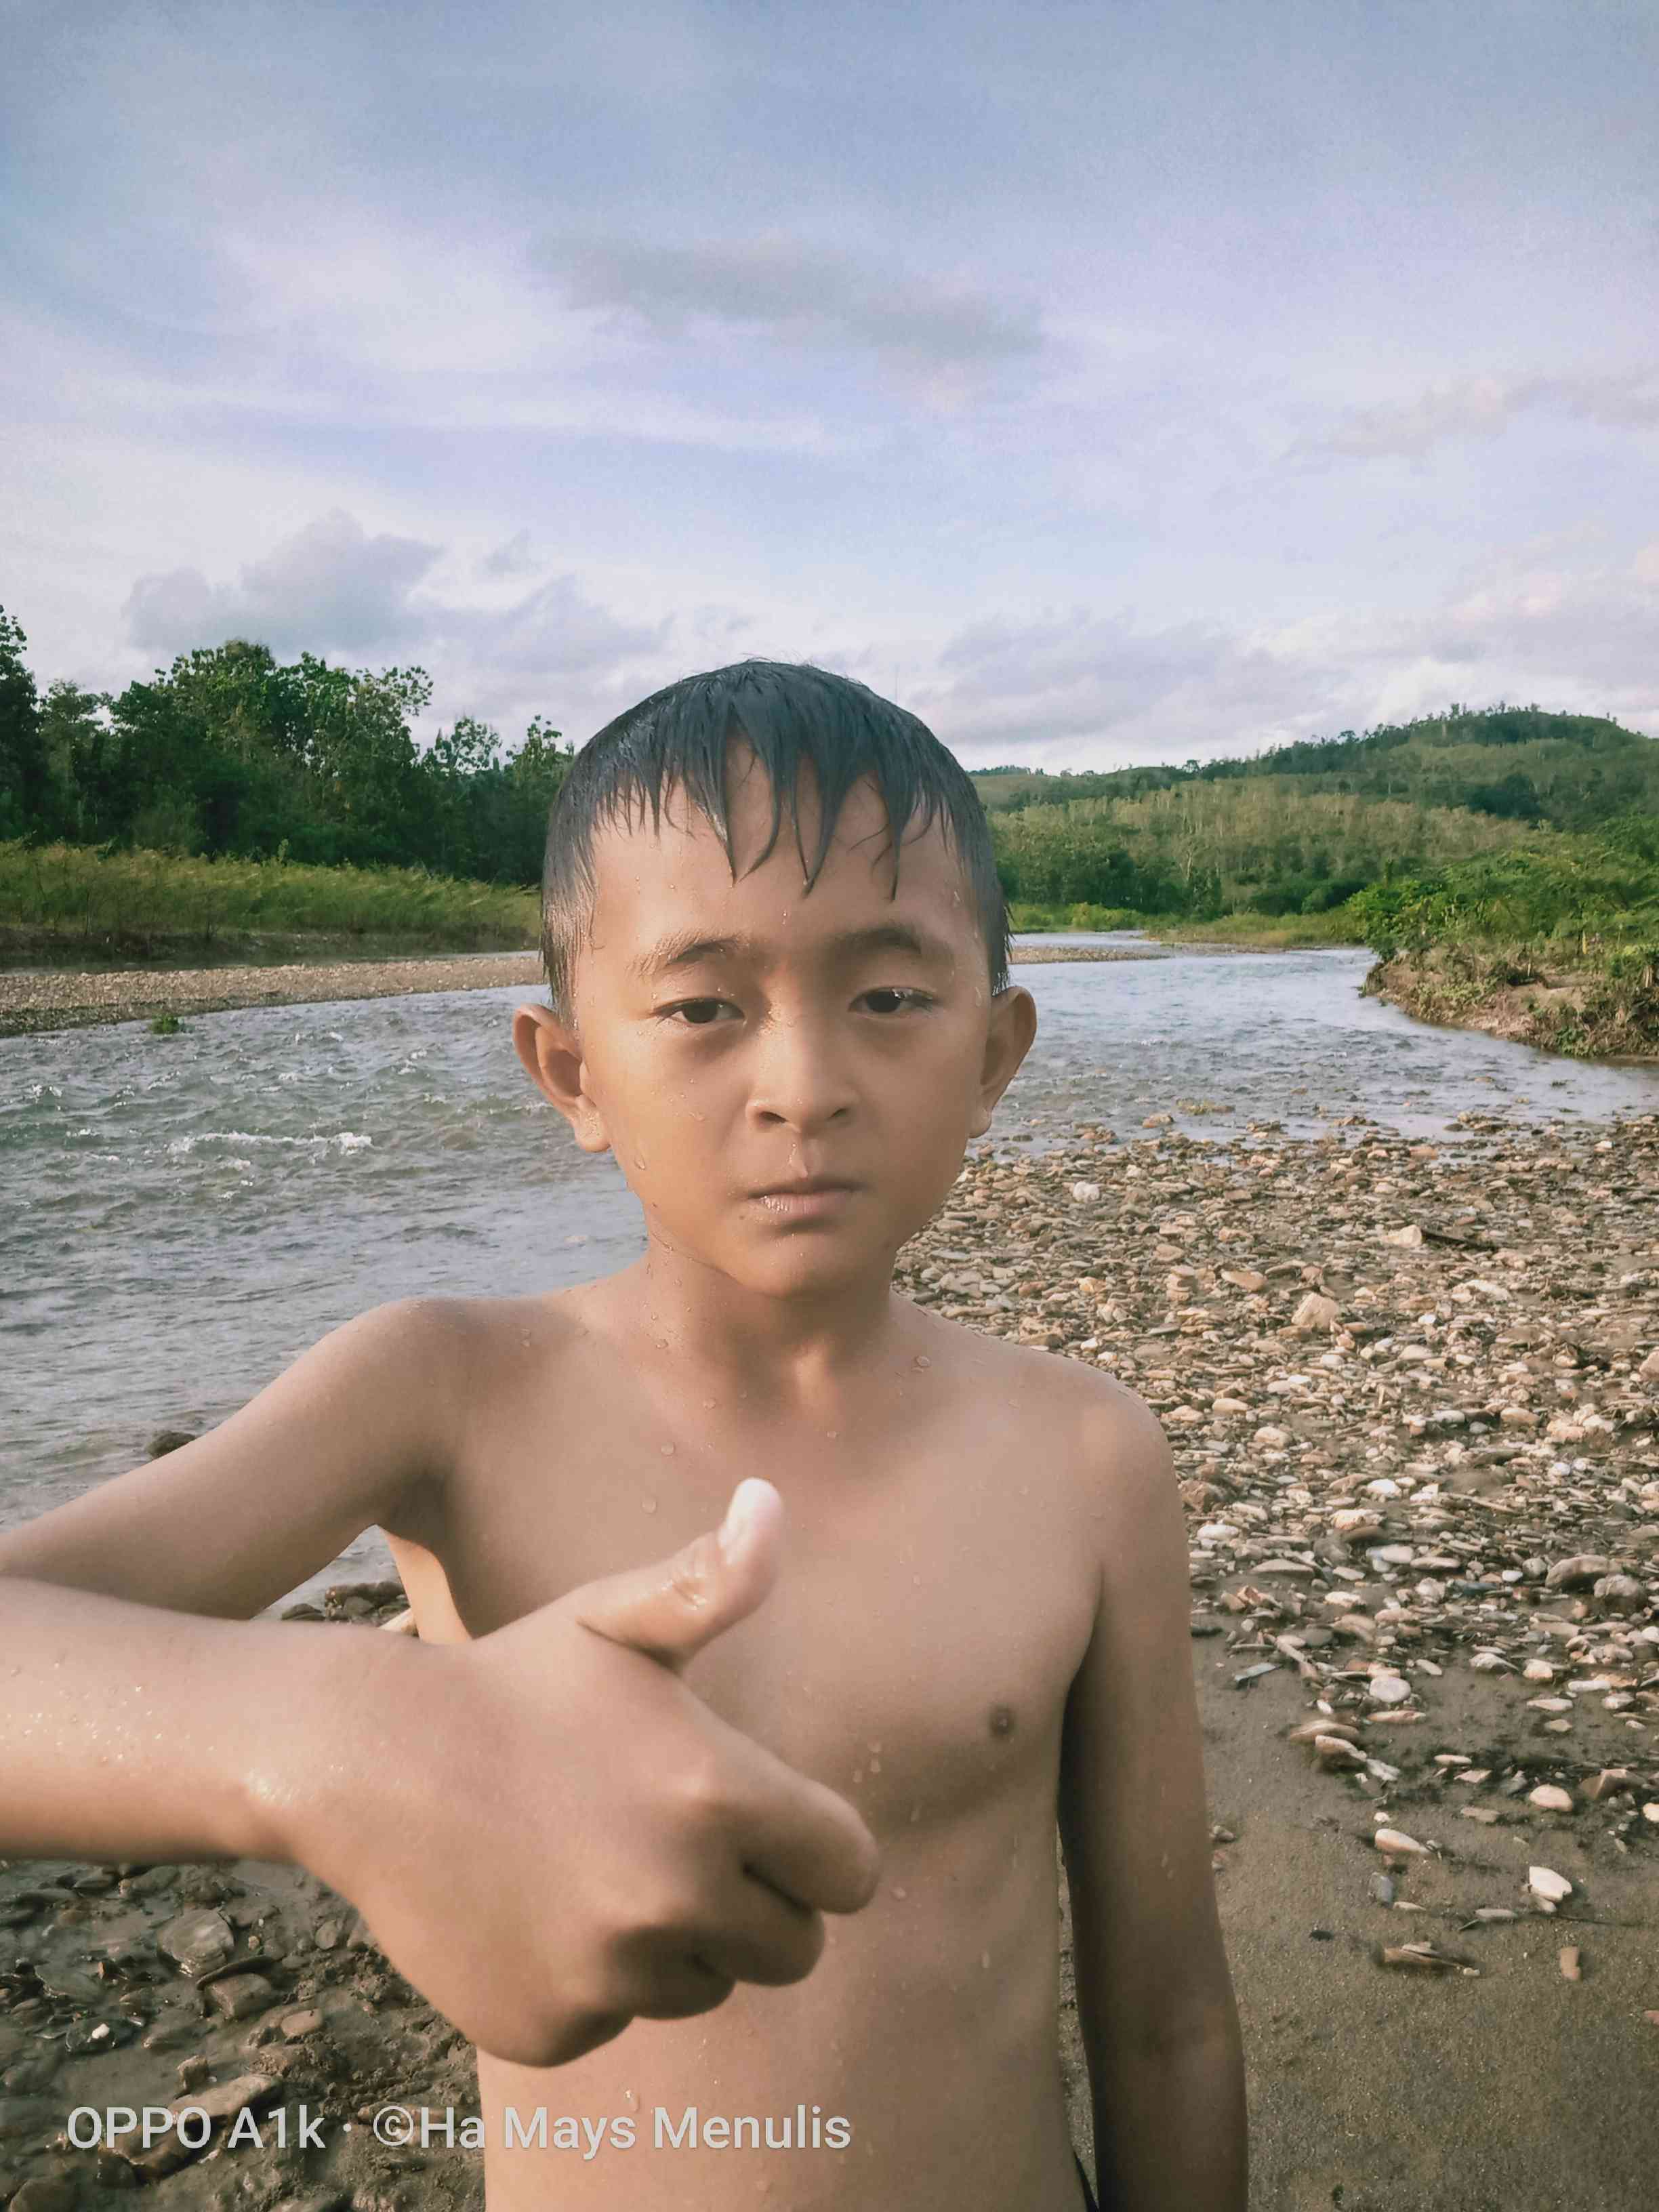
(798, 1077)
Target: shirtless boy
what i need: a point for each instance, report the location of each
(777, 952)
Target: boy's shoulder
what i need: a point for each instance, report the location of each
(1115, 1437)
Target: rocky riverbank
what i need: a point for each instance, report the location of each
(1412, 1393)
(32, 1000)
(1588, 1013)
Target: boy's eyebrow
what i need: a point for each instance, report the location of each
(687, 950)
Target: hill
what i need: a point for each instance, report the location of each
(1519, 764)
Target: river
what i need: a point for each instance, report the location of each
(181, 1217)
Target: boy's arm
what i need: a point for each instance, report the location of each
(348, 1439)
(640, 1858)
(1160, 2026)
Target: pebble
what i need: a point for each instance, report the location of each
(1395, 1844)
(1549, 1887)
(1437, 1505)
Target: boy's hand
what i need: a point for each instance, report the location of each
(561, 1837)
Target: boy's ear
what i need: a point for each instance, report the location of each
(552, 1056)
(1012, 1027)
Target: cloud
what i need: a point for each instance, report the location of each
(807, 295)
(328, 588)
(513, 557)
(1484, 407)
(1090, 689)
(332, 589)
(555, 631)
(1100, 688)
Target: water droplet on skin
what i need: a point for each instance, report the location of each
(921, 1360)
(648, 1505)
(916, 1579)
(915, 1815)
(875, 1748)
(832, 1434)
(708, 1405)
(875, 1766)
(668, 1451)
(899, 1891)
(858, 1774)
(985, 1960)
(631, 2101)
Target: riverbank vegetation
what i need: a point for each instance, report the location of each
(230, 754)
(68, 900)
(233, 802)
(1553, 942)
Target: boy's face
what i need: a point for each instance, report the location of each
(734, 1040)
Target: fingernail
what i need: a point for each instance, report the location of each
(740, 1513)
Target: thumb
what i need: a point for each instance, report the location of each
(672, 1608)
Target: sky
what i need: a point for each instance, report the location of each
(1113, 382)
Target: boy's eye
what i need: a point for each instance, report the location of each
(697, 1013)
(890, 999)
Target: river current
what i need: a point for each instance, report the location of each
(181, 1216)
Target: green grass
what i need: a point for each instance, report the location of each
(1267, 933)
(66, 900)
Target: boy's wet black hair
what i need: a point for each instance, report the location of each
(789, 713)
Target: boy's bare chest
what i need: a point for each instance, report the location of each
(917, 1649)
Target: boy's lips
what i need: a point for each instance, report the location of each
(807, 1199)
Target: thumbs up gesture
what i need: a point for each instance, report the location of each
(561, 1837)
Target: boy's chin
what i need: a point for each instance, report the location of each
(806, 1264)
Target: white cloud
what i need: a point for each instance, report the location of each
(1484, 407)
(330, 588)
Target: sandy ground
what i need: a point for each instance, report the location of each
(59, 998)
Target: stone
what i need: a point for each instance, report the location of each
(237, 1996)
(43, 2193)
(1393, 1843)
(1549, 1798)
(1619, 1594)
(1569, 1959)
(197, 1940)
(1315, 1311)
(1388, 1689)
(1335, 1751)
(1577, 1572)
(1549, 1887)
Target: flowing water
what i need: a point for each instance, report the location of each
(181, 1217)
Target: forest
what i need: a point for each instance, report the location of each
(1514, 822)
(230, 753)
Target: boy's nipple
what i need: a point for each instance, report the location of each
(1001, 1721)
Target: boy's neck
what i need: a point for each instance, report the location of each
(779, 1356)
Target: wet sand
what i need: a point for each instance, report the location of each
(1413, 1392)
(59, 999)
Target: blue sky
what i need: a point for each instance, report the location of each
(1108, 382)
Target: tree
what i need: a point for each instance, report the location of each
(22, 760)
